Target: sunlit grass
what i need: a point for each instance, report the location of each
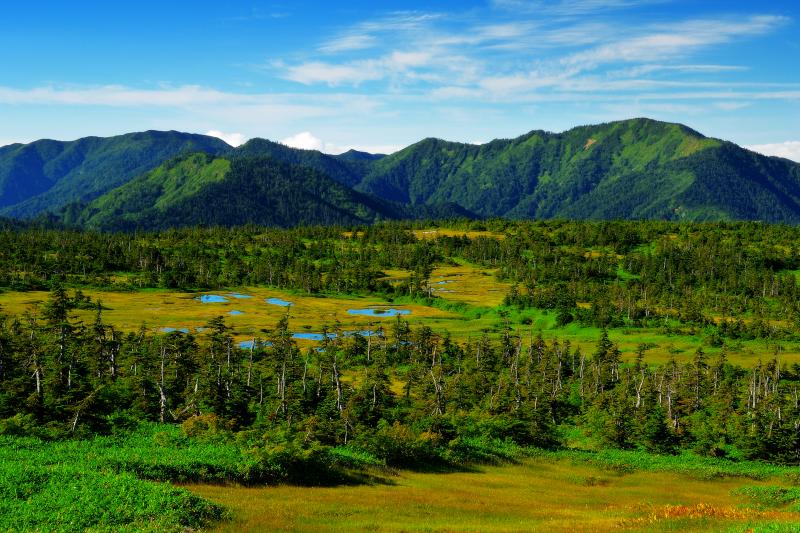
(535, 495)
(472, 308)
(432, 233)
(159, 309)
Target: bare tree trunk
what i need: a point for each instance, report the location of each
(162, 392)
(250, 365)
(338, 384)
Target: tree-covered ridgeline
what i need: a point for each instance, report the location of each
(630, 169)
(408, 397)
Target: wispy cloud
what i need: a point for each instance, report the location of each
(258, 14)
(187, 96)
(570, 7)
(642, 70)
(357, 72)
(667, 42)
(467, 58)
(346, 43)
(368, 34)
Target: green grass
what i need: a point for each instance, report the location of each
(118, 484)
(79, 485)
(474, 308)
(547, 492)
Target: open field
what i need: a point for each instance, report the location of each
(536, 494)
(466, 312)
(432, 233)
(170, 309)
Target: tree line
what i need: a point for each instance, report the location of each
(409, 396)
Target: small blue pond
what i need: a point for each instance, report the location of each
(239, 296)
(278, 301)
(378, 312)
(312, 336)
(171, 330)
(319, 336)
(363, 333)
(445, 282)
(212, 299)
(236, 312)
(246, 345)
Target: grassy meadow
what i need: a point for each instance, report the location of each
(468, 303)
(537, 494)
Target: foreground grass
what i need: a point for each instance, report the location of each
(100, 484)
(544, 493)
(120, 484)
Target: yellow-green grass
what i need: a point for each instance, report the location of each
(535, 495)
(461, 283)
(158, 309)
(432, 233)
(661, 346)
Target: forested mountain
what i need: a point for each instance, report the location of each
(228, 191)
(634, 169)
(46, 174)
(348, 168)
(631, 169)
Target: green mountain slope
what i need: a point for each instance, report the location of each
(630, 169)
(348, 168)
(235, 190)
(637, 168)
(45, 175)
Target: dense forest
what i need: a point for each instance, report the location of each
(415, 395)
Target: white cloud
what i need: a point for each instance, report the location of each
(234, 139)
(357, 72)
(318, 72)
(369, 33)
(218, 107)
(348, 43)
(642, 70)
(788, 149)
(666, 42)
(116, 95)
(570, 7)
(731, 106)
(307, 141)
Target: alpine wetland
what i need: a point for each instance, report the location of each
(263, 268)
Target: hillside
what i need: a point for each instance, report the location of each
(631, 169)
(634, 169)
(228, 191)
(46, 175)
(348, 168)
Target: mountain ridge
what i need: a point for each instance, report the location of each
(47, 174)
(634, 168)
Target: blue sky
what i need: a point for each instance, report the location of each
(382, 75)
